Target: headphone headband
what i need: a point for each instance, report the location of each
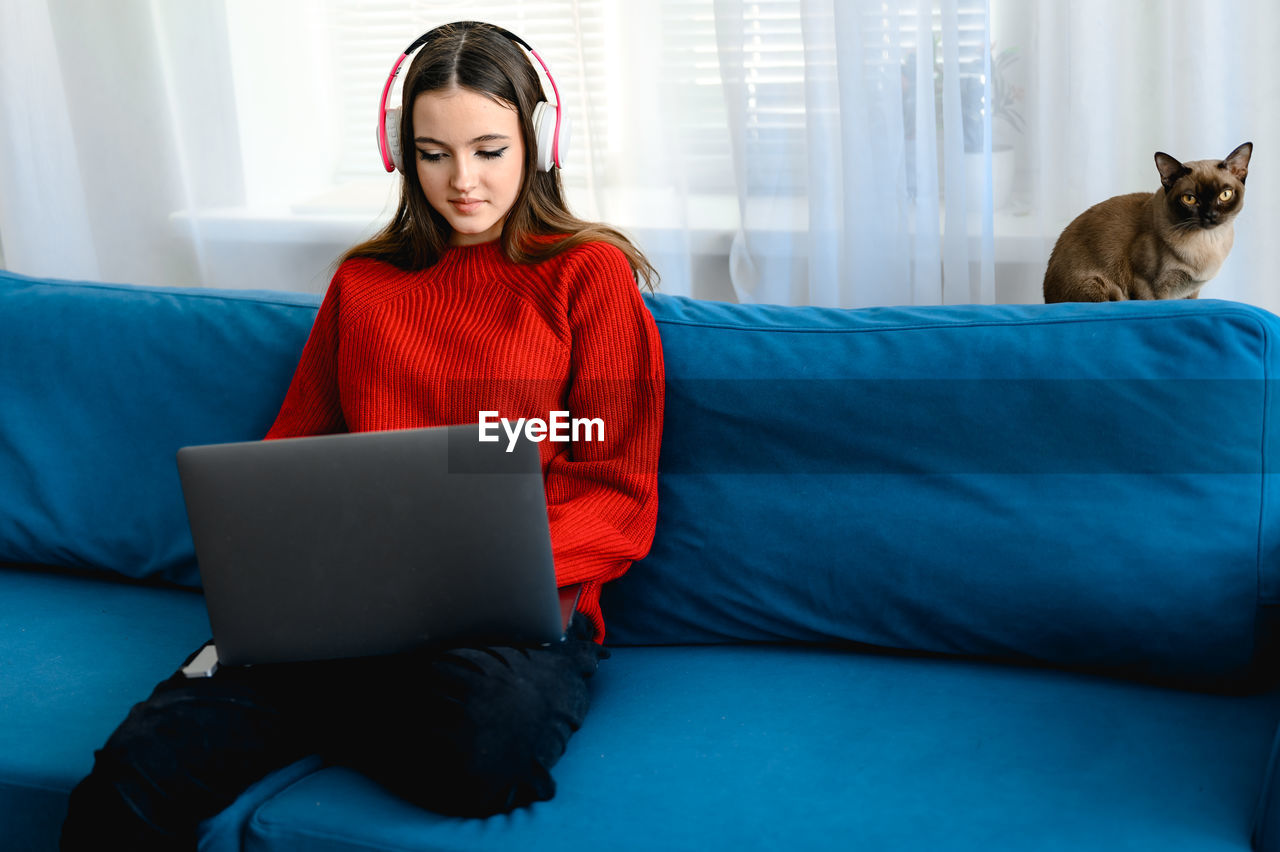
(548, 130)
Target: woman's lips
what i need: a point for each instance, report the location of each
(466, 205)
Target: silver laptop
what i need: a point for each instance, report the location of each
(370, 543)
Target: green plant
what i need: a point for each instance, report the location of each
(1005, 97)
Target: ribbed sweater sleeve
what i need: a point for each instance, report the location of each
(602, 496)
(311, 405)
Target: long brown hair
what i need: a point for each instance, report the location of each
(479, 57)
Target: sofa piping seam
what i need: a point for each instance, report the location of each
(214, 294)
(1218, 312)
(34, 785)
(1262, 452)
(257, 810)
(275, 828)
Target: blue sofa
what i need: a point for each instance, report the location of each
(961, 578)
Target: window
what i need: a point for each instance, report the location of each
(779, 61)
(648, 86)
(367, 35)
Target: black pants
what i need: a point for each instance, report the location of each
(462, 731)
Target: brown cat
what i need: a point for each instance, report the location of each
(1160, 245)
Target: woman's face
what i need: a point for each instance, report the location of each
(469, 159)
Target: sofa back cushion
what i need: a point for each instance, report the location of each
(100, 385)
(1082, 484)
(1079, 484)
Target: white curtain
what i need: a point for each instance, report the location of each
(113, 117)
(44, 220)
(1110, 82)
(834, 152)
(842, 205)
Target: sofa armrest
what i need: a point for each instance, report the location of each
(224, 832)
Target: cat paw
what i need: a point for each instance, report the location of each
(1102, 290)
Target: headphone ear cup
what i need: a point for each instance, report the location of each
(392, 131)
(544, 131)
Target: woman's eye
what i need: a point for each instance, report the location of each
(1225, 195)
(491, 155)
(1188, 199)
(429, 157)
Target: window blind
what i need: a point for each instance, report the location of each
(765, 39)
(775, 59)
(367, 35)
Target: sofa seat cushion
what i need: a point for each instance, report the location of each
(75, 654)
(785, 747)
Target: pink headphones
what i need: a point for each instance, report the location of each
(550, 127)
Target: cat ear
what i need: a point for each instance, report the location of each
(1170, 169)
(1238, 161)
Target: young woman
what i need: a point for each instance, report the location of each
(482, 294)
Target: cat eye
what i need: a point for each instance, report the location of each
(1188, 199)
(1225, 195)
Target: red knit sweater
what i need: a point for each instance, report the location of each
(394, 350)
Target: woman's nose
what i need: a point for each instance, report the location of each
(463, 175)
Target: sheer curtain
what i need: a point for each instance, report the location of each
(1110, 83)
(771, 145)
(834, 152)
(104, 134)
(849, 142)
